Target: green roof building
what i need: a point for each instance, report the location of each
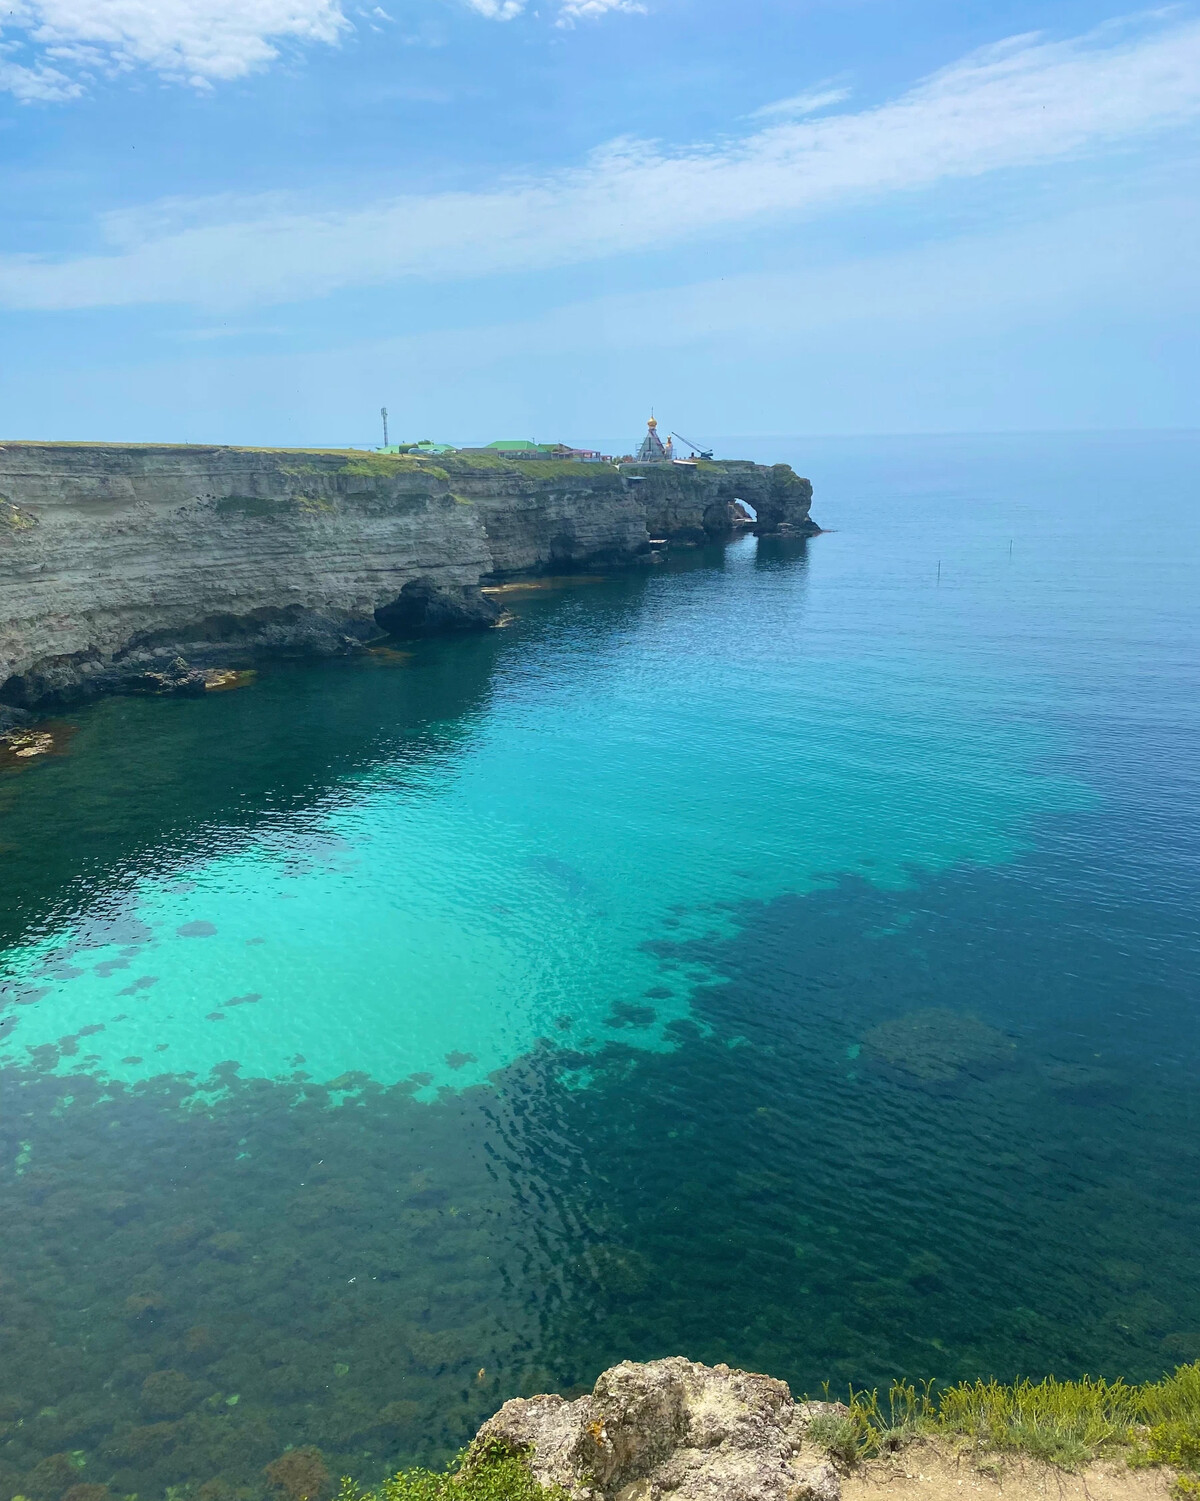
(426, 445)
(520, 445)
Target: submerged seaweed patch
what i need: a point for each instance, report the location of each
(202, 1273)
(937, 1045)
(261, 1278)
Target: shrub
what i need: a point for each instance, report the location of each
(840, 1435)
(487, 1471)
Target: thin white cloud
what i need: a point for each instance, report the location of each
(1024, 103)
(40, 84)
(197, 41)
(591, 10)
(498, 10)
(995, 329)
(569, 11)
(810, 103)
(65, 44)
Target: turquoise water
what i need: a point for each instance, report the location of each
(784, 955)
(642, 756)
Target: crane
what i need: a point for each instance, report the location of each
(700, 453)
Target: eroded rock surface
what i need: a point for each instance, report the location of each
(672, 1430)
(116, 560)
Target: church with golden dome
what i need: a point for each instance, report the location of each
(653, 450)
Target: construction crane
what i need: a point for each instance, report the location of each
(700, 453)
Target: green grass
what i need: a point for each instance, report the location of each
(543, 469)
(384, 464)
(1065, 1423)
(488, 1471)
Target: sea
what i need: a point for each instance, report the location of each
(784, 954)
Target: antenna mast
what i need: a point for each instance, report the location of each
(383, 414)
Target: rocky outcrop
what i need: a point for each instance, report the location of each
(117, 561)
(670, 1428)
(711, 499)
(12, 720)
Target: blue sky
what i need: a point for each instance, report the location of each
(257, 221)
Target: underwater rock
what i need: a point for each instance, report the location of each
(52, 1476)
(614, 1269)
(628, 1014)
(223, 679)
(227, 1244)
(670, 1428)
(88, 1490)
(23, 744)
(143, 982)
(299, 1474)
(1182, 1347)
(140, 1445)
(937, 1045)
(1083, 1084)
(167, 1394)
(402, 1415)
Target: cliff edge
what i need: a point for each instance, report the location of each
(675, 1430)
(670, 1428)
(127, 566)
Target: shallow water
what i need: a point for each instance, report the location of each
(785, 956)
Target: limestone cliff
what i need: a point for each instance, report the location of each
(670, 1430)
(118, 560)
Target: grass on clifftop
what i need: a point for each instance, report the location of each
(1066, 1423)
(543, 469)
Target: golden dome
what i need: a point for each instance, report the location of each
(652, 424)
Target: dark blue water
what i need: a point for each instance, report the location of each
(787, 956)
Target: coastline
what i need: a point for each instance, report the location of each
(146, 568)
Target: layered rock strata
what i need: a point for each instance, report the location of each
(117, 560)
(670, 1429)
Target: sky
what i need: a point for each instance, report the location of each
(259, 221)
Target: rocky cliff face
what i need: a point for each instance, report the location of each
(118, 561)
(670, 1429)
(685, 503)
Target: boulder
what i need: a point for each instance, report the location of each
(177, 677)
(13, 719)
(670, 1429)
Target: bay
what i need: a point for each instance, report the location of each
(783, 955)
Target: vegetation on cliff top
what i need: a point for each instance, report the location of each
(488, 1471)
(1065, 1423)
(529, 468)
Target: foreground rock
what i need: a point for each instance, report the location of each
(117, 560)
(672, 1429)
